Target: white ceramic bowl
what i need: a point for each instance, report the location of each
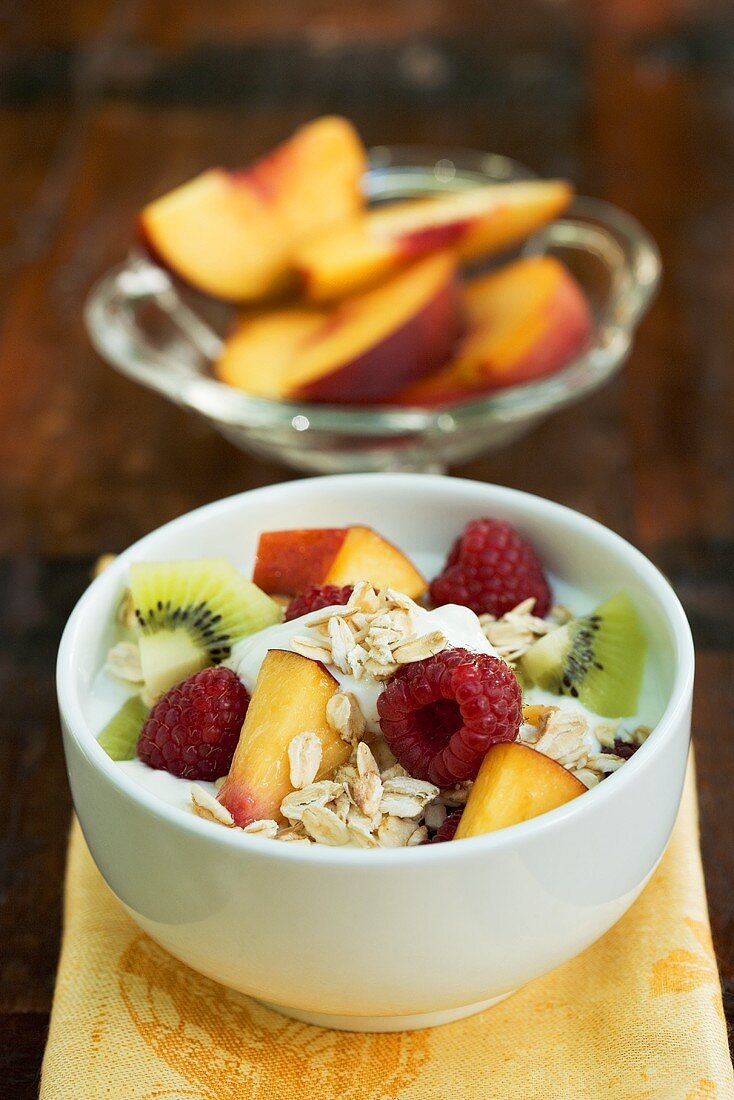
(383, 939)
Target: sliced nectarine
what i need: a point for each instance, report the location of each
(313, 180)
(289, 561)
(259, 354)
(232, 234)
(365, 555)
(361, 350)
(520, 209)
(526, 320)
(375, 343)
(475, 223)
(290, 697)
(219, 236)
(514, 784)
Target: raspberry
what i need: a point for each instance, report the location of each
(492, 569)
(447, 831)
(193, 730)
(439, 716)
(315, 597)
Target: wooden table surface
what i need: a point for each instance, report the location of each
(105, 103)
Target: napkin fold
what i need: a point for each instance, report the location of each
(637, 1015)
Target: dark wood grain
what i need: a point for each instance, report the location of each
(104, 103)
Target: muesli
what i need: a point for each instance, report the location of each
(337, 698)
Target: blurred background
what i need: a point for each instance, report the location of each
(105, 104)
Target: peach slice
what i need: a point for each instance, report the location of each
(365, 555)
(375, 343)
(219, 236)
(289, 561)
(477, 222)
(527, 320)
(259, 354)
(314, 180)
(233, 234)
(515, 783)
(290, 697)
(361, 350)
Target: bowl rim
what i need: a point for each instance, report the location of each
(635, 284)
(100, 592)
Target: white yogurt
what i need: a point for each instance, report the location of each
(459, 624)
(169, 788)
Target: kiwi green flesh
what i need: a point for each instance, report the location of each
(598, 659)
(544, 662)
(190, 613)
(169, 656)
(120, 735)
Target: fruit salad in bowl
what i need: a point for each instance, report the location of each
(338, 698)
(296, 718)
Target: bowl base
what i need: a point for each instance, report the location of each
(416, 1022)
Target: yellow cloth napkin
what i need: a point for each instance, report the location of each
(637, 1015)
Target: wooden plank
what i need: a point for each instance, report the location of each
(21, 1050)
(324, 24)
(652, 158)
(36, 597)
(714, 747)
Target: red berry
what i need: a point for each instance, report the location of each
(447, 831)
(193, 730)
(315, 597)
(491, 568)
(439, 716)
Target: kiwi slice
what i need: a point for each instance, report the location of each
(120, 735)
(598, 659)
(190, 613)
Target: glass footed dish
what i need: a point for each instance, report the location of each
(166, 337)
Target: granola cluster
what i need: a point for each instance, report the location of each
(371, 636)
(566, 736)
(363, 804)
(514, 633)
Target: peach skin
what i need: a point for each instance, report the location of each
(375, 343)
(232, 234)
(289, 561)
(526, 320)
(475, 223)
